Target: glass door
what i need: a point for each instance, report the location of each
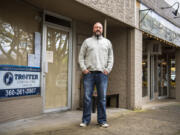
(57, 57)
(163, 78)
(145, 76)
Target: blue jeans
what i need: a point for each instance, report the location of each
(90, 80)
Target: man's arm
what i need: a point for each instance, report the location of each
(82, 54)
(110, 61)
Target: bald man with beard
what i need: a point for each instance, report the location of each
(96, 61)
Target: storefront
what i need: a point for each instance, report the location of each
(161, 39)
(39, 47)
(57, 62)
(158, 65)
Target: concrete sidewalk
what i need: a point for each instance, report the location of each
(157, 118)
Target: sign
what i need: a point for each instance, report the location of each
(49, 56)
(158, 26)
(19, 81)
(34, 59)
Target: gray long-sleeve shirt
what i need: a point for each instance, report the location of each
(96, 54)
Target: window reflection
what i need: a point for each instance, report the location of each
(144, 77)
(57, 76)
(163, 75)
(58, 42)
(173, 74)
(17, 28)
(144, 71)
(15, 44)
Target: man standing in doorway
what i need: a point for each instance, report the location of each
(96, 61)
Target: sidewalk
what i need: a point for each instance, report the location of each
(162, 118)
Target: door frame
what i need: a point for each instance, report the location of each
(44, 64)
(152, 77)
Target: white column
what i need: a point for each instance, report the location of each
(135, 69)
(105, 28)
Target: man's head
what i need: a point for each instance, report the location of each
(97, 29)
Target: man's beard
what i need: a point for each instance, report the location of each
(97, 35)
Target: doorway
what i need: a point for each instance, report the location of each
(57, 47)
(156, 73)
(163, 77)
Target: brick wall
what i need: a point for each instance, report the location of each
(118, 76)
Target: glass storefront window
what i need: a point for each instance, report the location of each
(17, 28)
(173, 74)
(163, 75)
(144, 76)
